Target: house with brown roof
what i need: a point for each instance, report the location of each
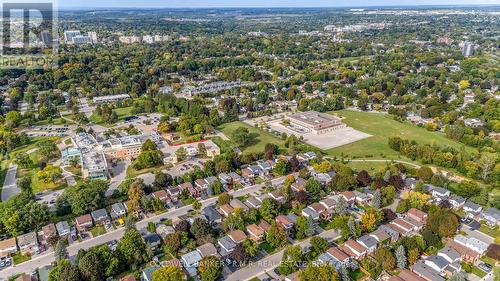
(317, 207)
(348, 196)
(161, 195)
(417, 215)
(190, 188)
(236, 203)
(328, 203)
(276, 195)
(225, 210)
(48, 231)
(406, 275)
(380, 235)
(354, 249)
(200, 185)
(285, 222)
(84, 223)
(8, 246)
(255, 232)
(207, 250)
(298, 185)
(28, 243)
(466, 253)
(237, 236)
(264, 225)
(338, 255)
(404, 225)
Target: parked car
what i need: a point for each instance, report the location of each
(486, 267)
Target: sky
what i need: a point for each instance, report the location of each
(258, 3)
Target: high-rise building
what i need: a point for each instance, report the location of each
(69, 34)
(80, 40)
(468, 49)
(93, 36)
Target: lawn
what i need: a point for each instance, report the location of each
(357, 274)
(370, 166)
(261, 137)
(381, 127)
(122, 113)
(493, 232)
(267, 248)
(98, 230)
(19, 258)
(478, 272)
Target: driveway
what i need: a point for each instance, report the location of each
(478, 235)
(10, 188)
(120, 173)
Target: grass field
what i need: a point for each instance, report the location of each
(122, 113)
(261, 137)
(381, 127)
(370, 166)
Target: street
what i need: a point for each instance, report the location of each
(272, 261)
(9, 186)
(48, 258)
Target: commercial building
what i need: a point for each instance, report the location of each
(312, 121)
(124, 147)
(69, 34)
(81, 40)
(94, 165)
(468, 49)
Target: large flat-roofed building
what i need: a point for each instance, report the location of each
(113, 98)
(318, 123)
(124, 147)
(94, 165)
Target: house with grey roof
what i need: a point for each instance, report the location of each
(425, 271)
(118, 210)
(212, 215)
(456, 201)
(369, 242)
(440, 193)
(63, 228)
(449, 254)
(190, 262)
(253, 202)
(153, 240)
(438, 263)
(472, 208)
(147, 273)
(310, 213)
(99, 216)
(226, 245)
(491, 216)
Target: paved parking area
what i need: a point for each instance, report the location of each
(328, 140)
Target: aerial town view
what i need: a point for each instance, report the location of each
(257, 140)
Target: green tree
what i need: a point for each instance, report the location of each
(133, 248)
(168, 273)
(321, 272)
(209, 269)
(91, 266)
(291, 257)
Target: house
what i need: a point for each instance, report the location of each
(236, 178)
(417, 215)
(190, 188)
(49, 231)
(276, 195)
(25, 277)
(466, 254)
(339, 256)
(323, 178)
(401, 224)
(410, 183)
(161, 195)
(310, 213)
(349, 197)
(129, 277)
(190, 262)
(27, 243)
(255, 232)
(353, 249)
(328, 203)
(207, 249)
(426, 272)
(118, 210)
(293, 277)
(304, 157)
(173, 193)
(361, 198)
(440, 193)
(84, 223)
(437, 263)
(227, 245)
(99, 216)
(264, 225)
(472, 208)
(369, 242)
(237, 204)
(226, 210)
(325, 258)
(380, 235)
(456, 201)
(201, 184)
(8, 246)
(164, 230)
(225, 179)
(406, 275)
(63, 228)
(212, 215)
(237, 236)
(449, 254)
(153, 240)
(147, 273)
(391, 231)
(317, 207)
(471, 243)
(285, 222)
(253, 202)
(298, 185)
(491, 216)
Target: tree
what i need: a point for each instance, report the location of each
(369, 219)
(200, 228)
(363, 178)
(239, 254)
(196, 205)
(377, 199)
(385, 257)
(486, 163)
(168, 273)
(318, 245)
(172, 242)
(281, 168)
(425, 174)
(251, 247)
(313, 187)
(181, 154)
(401, 256)
(276, 236)
(458, 276)
(269, 209)
(91, 266)
(60, 252)
(241, 136)
(303, 227)
(321, 272)
(24, 160)
(223, 199)
(341, 207)
(133, 248)
(209, 269)
(135, 194)
(162, 180)
(291, 257)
